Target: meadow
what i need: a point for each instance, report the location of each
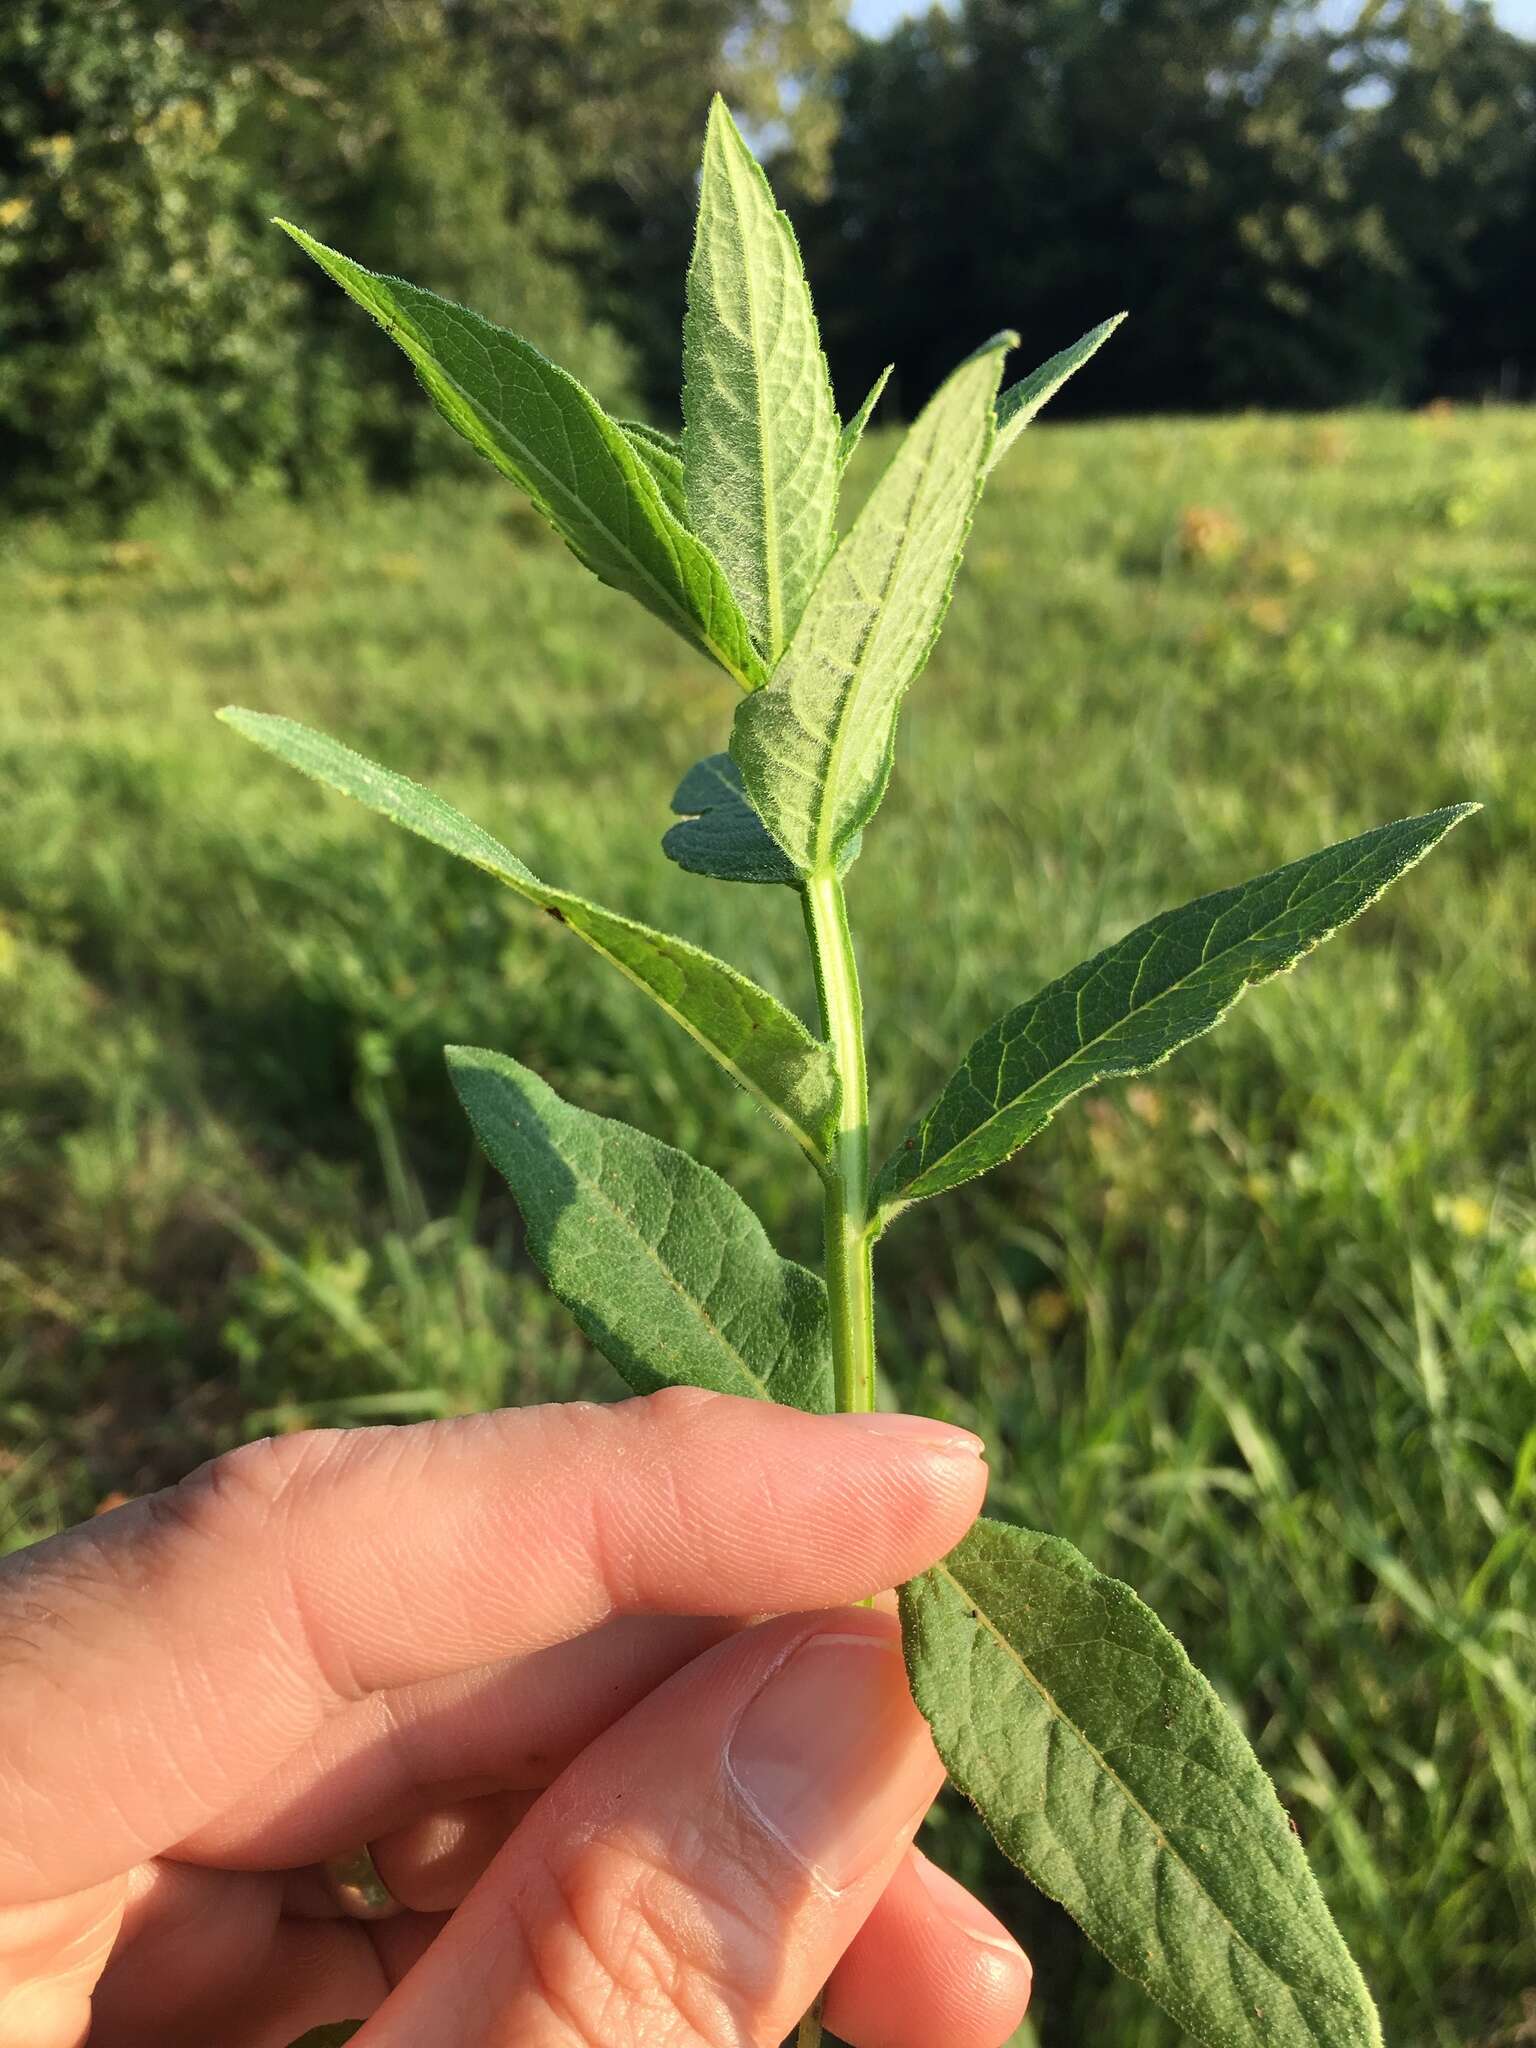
(1257, 1331)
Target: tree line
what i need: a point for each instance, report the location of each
(1297, 213)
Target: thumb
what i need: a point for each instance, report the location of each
(693, 1878)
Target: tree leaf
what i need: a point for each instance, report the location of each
(663, 458)
(749, 1032)
(1020, 402)
(815, 750)
(721, 835)
(1139, 1000)
(853, 433)
(759, 425)
(665, 1267)
(550, 436)
(1108, 1770)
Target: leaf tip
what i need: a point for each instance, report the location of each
(995, 344)
(240, 720)
(464, 1064)
(479, 1059)
(1447, 818)
(721, 125)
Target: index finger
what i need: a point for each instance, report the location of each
(156, 1664)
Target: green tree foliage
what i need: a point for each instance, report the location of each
(1447, 151)
(144, 335)
(1299, 213)
(1302, 208)
(620, 90)
(539, 162)
(389, 128)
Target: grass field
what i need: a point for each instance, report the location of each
(1258, 1332)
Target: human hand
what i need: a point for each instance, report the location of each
(493, 1649)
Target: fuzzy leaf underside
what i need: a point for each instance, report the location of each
(721, 835)
(1139, 1000)
(550, 436)
(760, 429)
(1019, 404)
(1108, 1770)
(750, 1033)
(664, 1267)
(849, 439)
(815, 747)
(664, 459)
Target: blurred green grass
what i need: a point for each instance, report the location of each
(1258, 1331)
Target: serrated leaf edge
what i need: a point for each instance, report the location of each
(738, 158)
(519, 879)
(885, 1212)
(833, 850)
(460, 1056)
(982, 1619)
(395, 324)
(1021, 403)
(851, 435)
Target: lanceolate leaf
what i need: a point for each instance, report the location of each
(1020, 402)
(721, 835)
(853, 433)
(663, 458)
(1107, 1769)
(749, 1032)
(665, 1268)
(760, 428)
(1140, 1000)
(542, 429)
(814, 748)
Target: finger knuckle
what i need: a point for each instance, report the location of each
(681, 1409)
(248, 1506)
(216, 1502)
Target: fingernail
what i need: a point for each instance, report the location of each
(964, 1912)
(940, 1436)
(832, 1758)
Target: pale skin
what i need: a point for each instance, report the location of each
(509, 1653)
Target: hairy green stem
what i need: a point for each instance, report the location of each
(850, 1284)
(850, 1289)
(808, 2034)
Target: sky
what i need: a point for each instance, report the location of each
(876, 16)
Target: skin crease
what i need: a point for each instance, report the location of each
(493, 1649)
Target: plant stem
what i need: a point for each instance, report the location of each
(850, 1289)
(808, 2034)
(850, 1284)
